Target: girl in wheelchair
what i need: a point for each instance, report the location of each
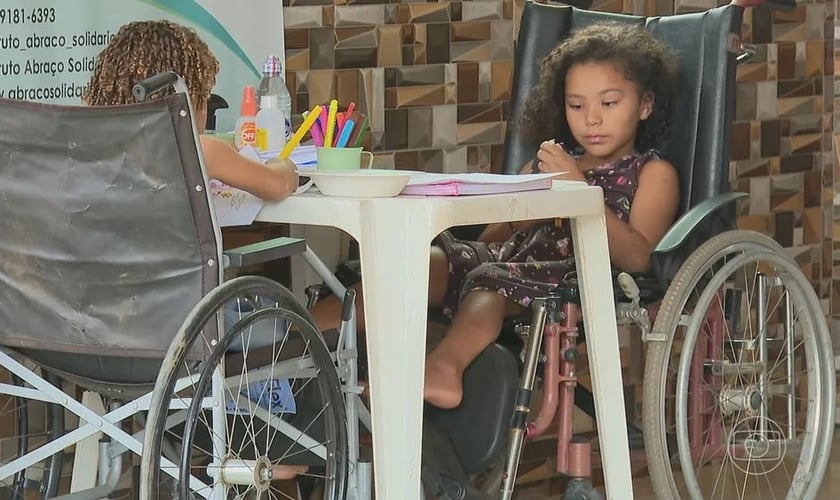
(601, 109)
(145, 48)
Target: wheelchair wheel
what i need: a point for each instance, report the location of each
(739, 385)
(270, 404)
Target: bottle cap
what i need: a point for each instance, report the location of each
(272, 66)
(249, 101)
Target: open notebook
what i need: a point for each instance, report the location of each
(431, 184)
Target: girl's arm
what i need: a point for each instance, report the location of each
(653, 211)
(272, 182)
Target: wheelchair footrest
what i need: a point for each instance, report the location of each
(442, 474)
(480, 426)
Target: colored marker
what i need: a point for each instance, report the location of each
(317, 135)
(362, 131)
(350, 108)
(345, 134)
(329, 133)
(322, 120)
(339, 125)
(300, 132)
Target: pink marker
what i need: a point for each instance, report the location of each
(322, 119)
(317, 135)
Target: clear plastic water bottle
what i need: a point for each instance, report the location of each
(273, 83)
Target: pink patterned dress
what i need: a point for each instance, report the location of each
(530, 263)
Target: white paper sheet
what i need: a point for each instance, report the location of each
(234, 207)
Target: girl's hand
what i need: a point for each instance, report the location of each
(553, 158)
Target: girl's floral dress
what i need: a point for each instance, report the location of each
(530, 263)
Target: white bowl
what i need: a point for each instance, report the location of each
(363, 183)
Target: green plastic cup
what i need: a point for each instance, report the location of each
(341, 158)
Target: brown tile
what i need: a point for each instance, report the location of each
(350, 15)
(786, 61)
(762, 26)
(797, 163)
(740, 141)
(294, 3)
(813, 189)
(490, 9)
(770, 134)
(501, 76)
(406, 160)
(418, 95)
(814, 57)
(797, 88)
(468, 82)
(296, 38)
(420, 131)
(389, 41)
(396, 129)
(783, 228)
(297, 60)
(470, 31)
(745, 101)
(437, 12)
(812, 220)
(322, 48)
(476, 113)
(437, 43)
(806, 143)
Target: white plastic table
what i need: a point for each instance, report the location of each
(394, 236)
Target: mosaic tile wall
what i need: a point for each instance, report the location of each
(782, 145)
(434, 78)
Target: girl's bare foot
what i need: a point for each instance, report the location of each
(442, 384)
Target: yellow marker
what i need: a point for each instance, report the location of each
(301, 131)
(328, 134)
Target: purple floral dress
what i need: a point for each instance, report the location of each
(530, 263)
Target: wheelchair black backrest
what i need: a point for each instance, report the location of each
(702, 117)
(107, 238)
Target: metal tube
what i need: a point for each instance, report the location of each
(761, 316)
(219, 437)
(523, 398)
(790, 376)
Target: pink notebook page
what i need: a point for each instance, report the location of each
(432, 184)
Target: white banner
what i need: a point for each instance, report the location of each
(48, 47)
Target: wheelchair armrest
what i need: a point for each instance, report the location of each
(263, 251)
(683, 230)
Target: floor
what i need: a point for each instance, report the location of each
(550, 490)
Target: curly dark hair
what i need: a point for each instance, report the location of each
(144, 48)
(643, 59)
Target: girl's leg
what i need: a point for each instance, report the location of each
(475, 326)
(327, 313)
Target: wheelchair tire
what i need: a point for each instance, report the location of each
(327, 389)
(668, 452)
(52, 466)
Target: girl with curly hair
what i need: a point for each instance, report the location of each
(144, 48)
(602, 106)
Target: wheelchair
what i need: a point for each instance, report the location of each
(739, 383)
(110, 250)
